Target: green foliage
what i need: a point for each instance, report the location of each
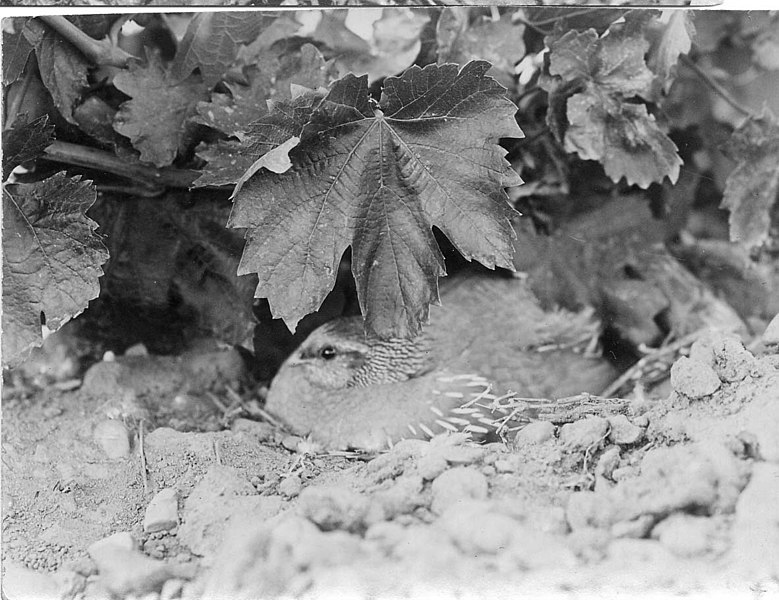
(360, 129)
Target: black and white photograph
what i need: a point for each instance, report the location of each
(379, 300)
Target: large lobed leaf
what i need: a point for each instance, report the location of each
(51, 258)
(378, 178)
(752, 187)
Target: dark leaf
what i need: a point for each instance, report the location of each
(25, 141)
(156, 119)
(765, 48)
(306, 68)
(95, 26)
(333, 33)
(592, 82)
(95, 117)
(232, 113)
(751, 188)
(63, 68)
(228, 161)
(674, 39)
(51, 259)
(614, 62)
(378, 181)
(499, 42)
(598, 19)
(211, 43)
(390, 47)
(16, 51)
(623, 137)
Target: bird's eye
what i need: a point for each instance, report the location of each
(328, 353)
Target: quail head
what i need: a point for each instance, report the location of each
(490, 336)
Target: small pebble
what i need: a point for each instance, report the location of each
(171, 589)
(262, 432)
(162, 512)
(685, 535)
(291, 442)
(693, 378)
(771, 334)
(537, 432)
(584, 434)
(733, 361)
(607, 462)
(431, 466)
(755, 543)
(505, 465)
(456, 485)
(122, 539)
(475, 529)
(137, 350)
(623, 431)
(113, 438)
(290, 486)
(332, 507)
(462, 455)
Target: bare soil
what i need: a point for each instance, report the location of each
(139, 485)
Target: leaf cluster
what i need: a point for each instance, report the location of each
(337, 132)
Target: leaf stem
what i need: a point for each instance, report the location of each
(93, 158)
(99, 52)
(716, 87)
(533, 26)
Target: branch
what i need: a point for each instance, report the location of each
(716, 87)
(99, 52)
(92, 158)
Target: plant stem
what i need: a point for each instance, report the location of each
(99, 52)
(716, 87)
(533, 26)
(568, 15)
(93, 158)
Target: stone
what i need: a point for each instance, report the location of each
(536, 432)
(162, 512)
(693, 378)
(585, 434)
(290, 486)
(456, 485)
(685, 535)
(624, 432)
(755, 533)
(112, 437)
(332, 508)
(475, 528)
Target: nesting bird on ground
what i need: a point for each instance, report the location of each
(490, 335)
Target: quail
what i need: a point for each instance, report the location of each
(488, 337)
